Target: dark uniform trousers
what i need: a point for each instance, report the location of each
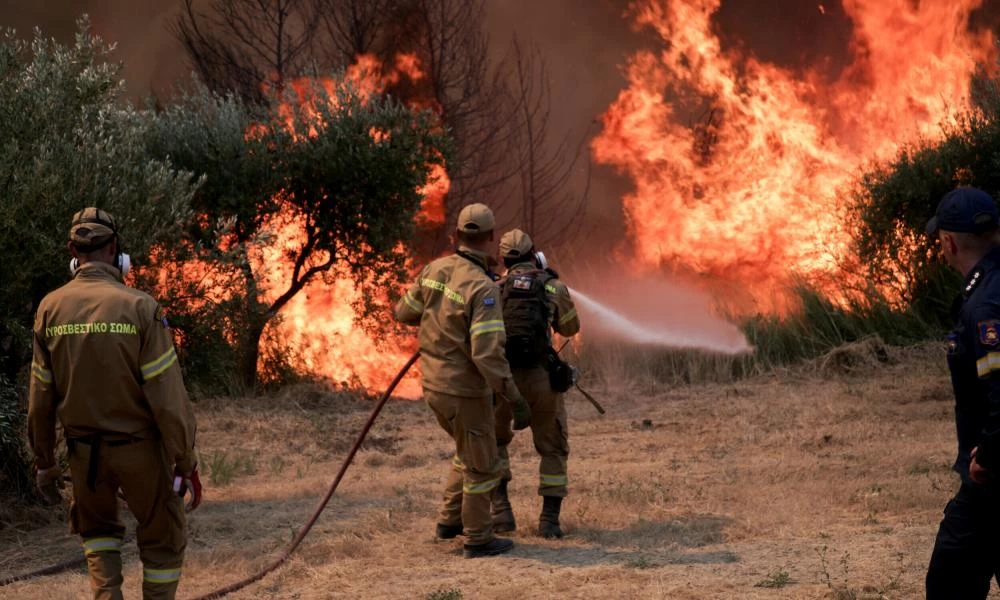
(141, 470)
(548, 430)
(967, 550)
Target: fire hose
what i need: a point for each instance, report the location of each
(329, 494)
(66, 565)
(287, 552)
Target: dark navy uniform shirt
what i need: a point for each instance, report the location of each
(974, 362)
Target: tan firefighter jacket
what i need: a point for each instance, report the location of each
(104, 363)
(565, 321)
(457, 306)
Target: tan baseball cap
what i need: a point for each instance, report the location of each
(515, 244)
(92, 228)
(475, 218)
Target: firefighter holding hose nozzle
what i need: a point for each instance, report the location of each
(456, 303)
(104, 365)
(535, 303)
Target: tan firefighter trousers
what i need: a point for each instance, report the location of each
(475, 469)
(140, 469)
(548, 428)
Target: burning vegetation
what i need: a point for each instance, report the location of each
(743, 170)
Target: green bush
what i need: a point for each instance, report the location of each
(15, 470)
(70, 142)
(894, 200)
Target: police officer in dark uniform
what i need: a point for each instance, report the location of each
(967, 550)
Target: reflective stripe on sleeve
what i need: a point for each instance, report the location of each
(552, 480)
(988, 363)
(41, 373)
(154, 368)
(480, 488)
(102, 544)
(485, 327)
(413, 303)
(161, 575)
(570, 314)
(457, 464)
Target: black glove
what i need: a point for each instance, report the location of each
(522, 413)
(518, 405)
(562, 375)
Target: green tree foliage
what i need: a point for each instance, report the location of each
(349, 167)
(68, 142)
(894, 200)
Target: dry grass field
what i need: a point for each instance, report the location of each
(808, 483)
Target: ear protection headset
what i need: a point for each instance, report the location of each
(123, 262)
(540, 258)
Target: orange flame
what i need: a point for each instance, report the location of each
(741, 167)
(318, 325)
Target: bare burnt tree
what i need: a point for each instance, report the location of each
(472, 96)
(549, 211)
(349, 28)
(497, 111)
(246, 46)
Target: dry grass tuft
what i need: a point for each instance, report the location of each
(866, 355)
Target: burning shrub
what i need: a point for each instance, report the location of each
(324, 183)
(894, 199)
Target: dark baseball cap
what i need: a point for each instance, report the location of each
(965, 209)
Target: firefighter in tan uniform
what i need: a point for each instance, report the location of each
(457, 305)
(535, 303)
(104, 365)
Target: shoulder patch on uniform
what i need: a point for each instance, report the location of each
(989, 335)
(489, 301)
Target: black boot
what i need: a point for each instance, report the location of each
(548, 521)
(503, 514)
(497, 546)
(447, 532)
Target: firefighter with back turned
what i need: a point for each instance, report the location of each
(456, 303)
(966, 552)
(104, 365)
(535, 303)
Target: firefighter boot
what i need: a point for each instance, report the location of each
(503, 514)
(548, 521)
(497, 546)
(448, 532)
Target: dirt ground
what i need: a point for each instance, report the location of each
(800, 484)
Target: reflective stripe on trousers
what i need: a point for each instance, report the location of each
(102, 544)
(552, 480)
(161, 575)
